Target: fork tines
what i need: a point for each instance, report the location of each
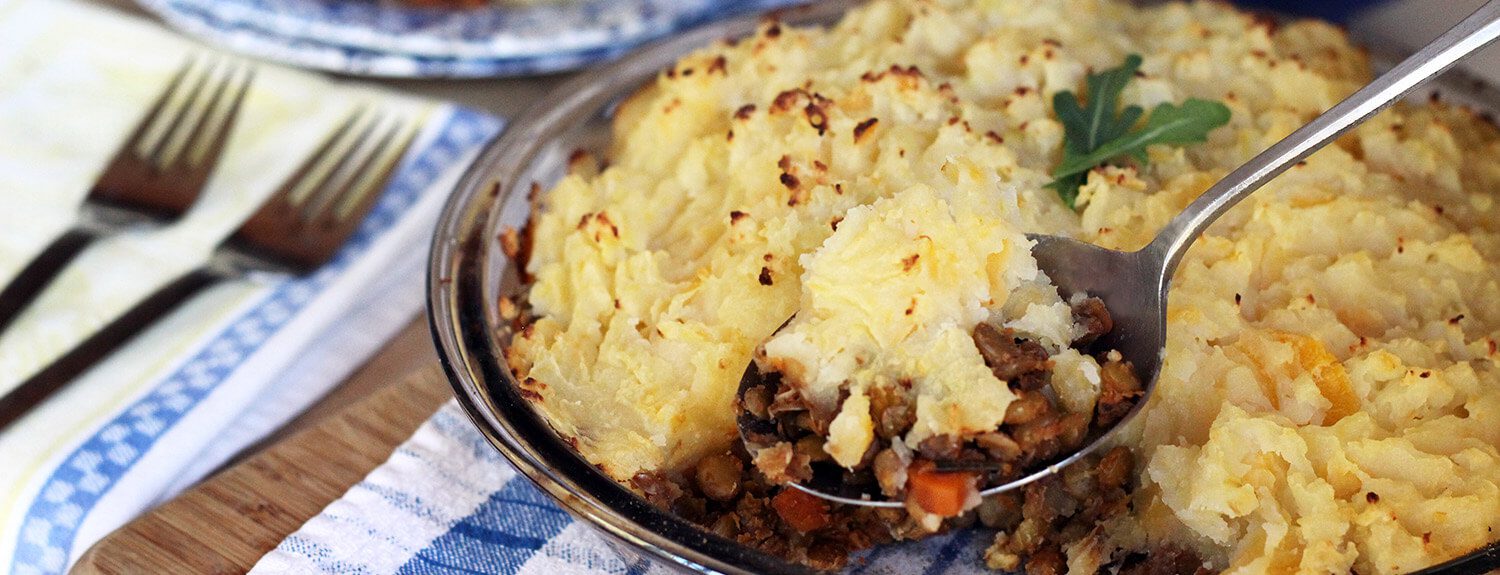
(194, 121)
(320, 205)
(167, 159)
(343, 174)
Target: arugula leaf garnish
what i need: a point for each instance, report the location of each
(1095, 133)
(1086, 130)
(1168, 124)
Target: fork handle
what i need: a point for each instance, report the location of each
(64, 369)
(37, 274)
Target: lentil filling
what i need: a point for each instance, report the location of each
(745, 499)
(943, 474)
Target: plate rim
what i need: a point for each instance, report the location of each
(253, 38)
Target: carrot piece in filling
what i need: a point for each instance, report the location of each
(937, 492)
(801, 511)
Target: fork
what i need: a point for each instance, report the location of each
(300, 228)
(157, 174)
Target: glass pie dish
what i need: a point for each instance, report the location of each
(469, 273)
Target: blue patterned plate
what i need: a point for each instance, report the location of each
(395, 39)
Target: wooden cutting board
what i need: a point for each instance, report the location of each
(226, 523)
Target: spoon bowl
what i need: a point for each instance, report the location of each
(1134, 285)
(1133, 288)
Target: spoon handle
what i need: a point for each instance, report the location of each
(1468, 36)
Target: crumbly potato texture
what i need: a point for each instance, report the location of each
(1330, 398)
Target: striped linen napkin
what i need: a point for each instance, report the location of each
(446, 503)
(236, 361)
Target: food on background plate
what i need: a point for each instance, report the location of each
(1329, 396)
(471, 4)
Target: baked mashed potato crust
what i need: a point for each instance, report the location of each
(1330, 398)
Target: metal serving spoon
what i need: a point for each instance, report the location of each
(1134, 285)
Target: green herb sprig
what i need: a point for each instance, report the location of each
(1100, 131)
